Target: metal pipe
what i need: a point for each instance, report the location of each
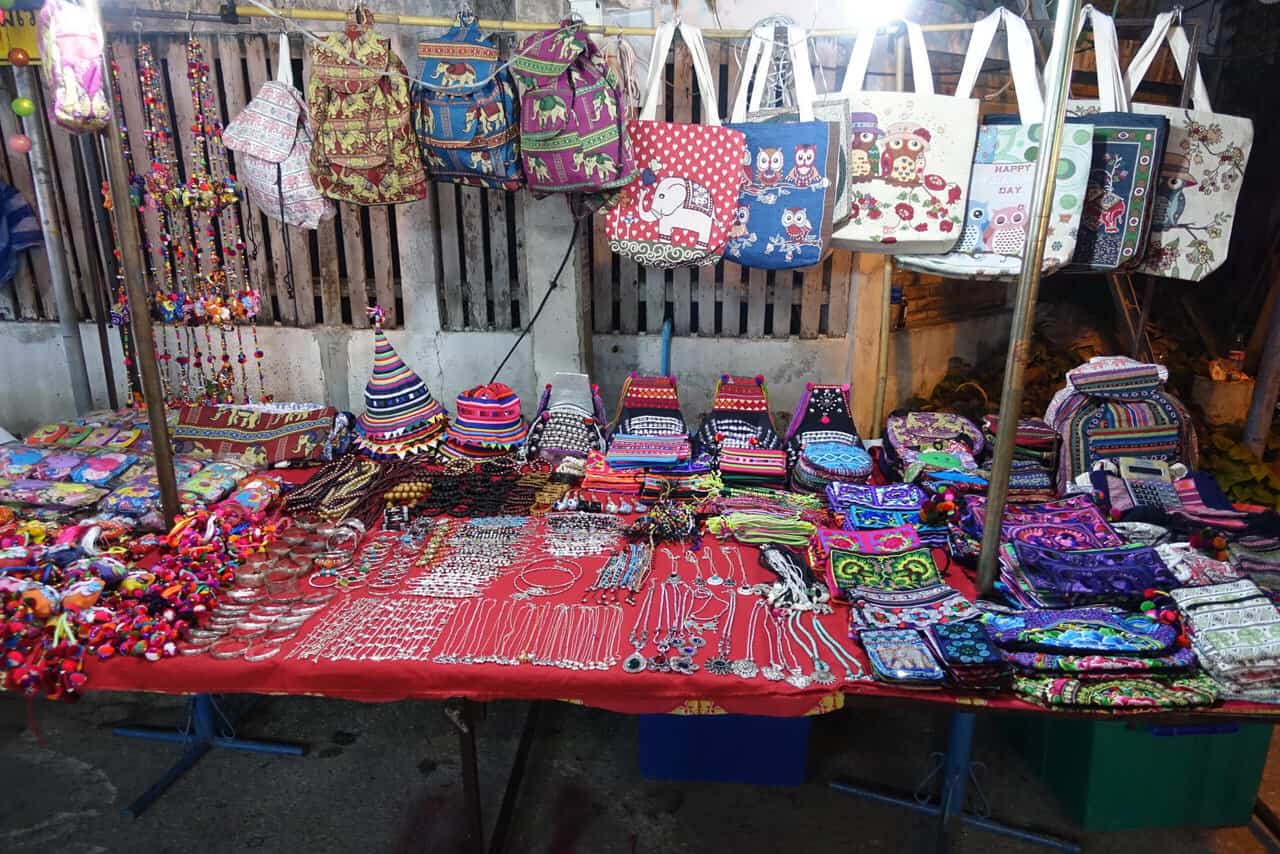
(1262, 409)
(54, 248)
(1057, 86)
(886, 298)
(135, 277)
(102, 285)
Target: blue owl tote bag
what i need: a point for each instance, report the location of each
(788, 196)
(909, 158)
(993, 234)
(1127, 153)
(680, 211)
(1198, 184)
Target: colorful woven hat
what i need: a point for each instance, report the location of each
(400, 416)
(488, 416)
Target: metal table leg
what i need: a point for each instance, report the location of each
(949, 812)
(200, 735)
(462, 714)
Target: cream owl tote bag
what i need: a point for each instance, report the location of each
(909, 158)
(997, 214)
(1199, 181)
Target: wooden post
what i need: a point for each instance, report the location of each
(1265, 392)
(135, 276)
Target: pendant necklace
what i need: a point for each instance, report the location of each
(639, 637)
(721, 664)
(714, 579)
(821, 670)
(772, 671)
(796, 677)
(745, 668)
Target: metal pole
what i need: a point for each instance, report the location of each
(886, 298)
(102, 286)
(54, 249)
(1058, 83)
(135, 277)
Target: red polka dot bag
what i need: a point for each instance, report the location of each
(679, 213)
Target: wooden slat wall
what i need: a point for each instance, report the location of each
(472, 234)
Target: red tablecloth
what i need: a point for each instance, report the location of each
(699, 693)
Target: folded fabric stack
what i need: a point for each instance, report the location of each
(895, 590)
(753, 467)
(1035, 458)
(649, 432)
(966, 652)
(1068, 523)
(1235, 632)
(400, 416)
(1089, 643)
(602, 477)
(737, 436)
(870, 506)
(919, 442)
(1041, 576)
(1258, 557)
(823, 445)
(486, 423)
(1126, 693)
(569, 423)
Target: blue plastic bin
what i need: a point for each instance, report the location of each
(724, 749)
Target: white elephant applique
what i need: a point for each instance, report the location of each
(683, 204)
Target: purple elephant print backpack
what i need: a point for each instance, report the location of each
(681, 210)
(573, 114)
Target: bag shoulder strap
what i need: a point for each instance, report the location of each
(662, 38)
(1111, 88)
(702, 71)
(1166, 30)
(284, 62)
(1022, 62)
(921, 73)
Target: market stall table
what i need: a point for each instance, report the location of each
(464, 685)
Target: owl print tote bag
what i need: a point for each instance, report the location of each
(1198, 184)
(909, 158)
(679, 213)
(1127, 150)
(993, 235)
(785, 208)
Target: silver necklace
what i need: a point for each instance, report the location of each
(639, 637)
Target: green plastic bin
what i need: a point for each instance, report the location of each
(1123, 775)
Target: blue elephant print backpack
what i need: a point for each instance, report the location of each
(464, 111)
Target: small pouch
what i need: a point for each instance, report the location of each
(1129, 692)
(1081, 631)
(99, 437)
(133, 497)
(43, 493)
(74, 435)
(964, 644)
(901, 656)
(57, 465)
(123, 440)
(753, 464)
(1089, 576)
(918, 608)
(46, 435)
(629, 449)
(101, 469)
(211, 483)
(909, 570)
(256, 493)
(19, 460)
(885, 541)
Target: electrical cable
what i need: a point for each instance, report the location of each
(555, 283)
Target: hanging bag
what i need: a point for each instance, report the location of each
(997, 215)
(910, 156)
(785, 209)
(273, 145)
(572, 114)
(680, 211)
(1127, 149)
(464, 111)
(70, 41)
(364, 150)
(1198, 184)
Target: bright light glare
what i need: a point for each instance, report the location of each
(863, 13)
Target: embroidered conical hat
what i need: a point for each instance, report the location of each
(398, 408)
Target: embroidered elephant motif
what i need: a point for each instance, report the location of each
(683, 204)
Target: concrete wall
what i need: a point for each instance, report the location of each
(332, 364)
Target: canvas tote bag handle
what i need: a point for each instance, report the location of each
(921, 73)
(757, 64)
(802, 72)
(1180, 47)
(284, 63)
(1022, 62)
(1112, 94)
(662, 38)
(702, 73)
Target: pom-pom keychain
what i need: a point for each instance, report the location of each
(1212, 542)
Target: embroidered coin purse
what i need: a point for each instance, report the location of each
(1082, 631)
(902, 656)
(1087, 576)
(908, 570)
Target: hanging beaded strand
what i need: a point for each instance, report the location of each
(214, 189)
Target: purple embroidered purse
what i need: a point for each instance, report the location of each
(1080, 631)
(1087, 576)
